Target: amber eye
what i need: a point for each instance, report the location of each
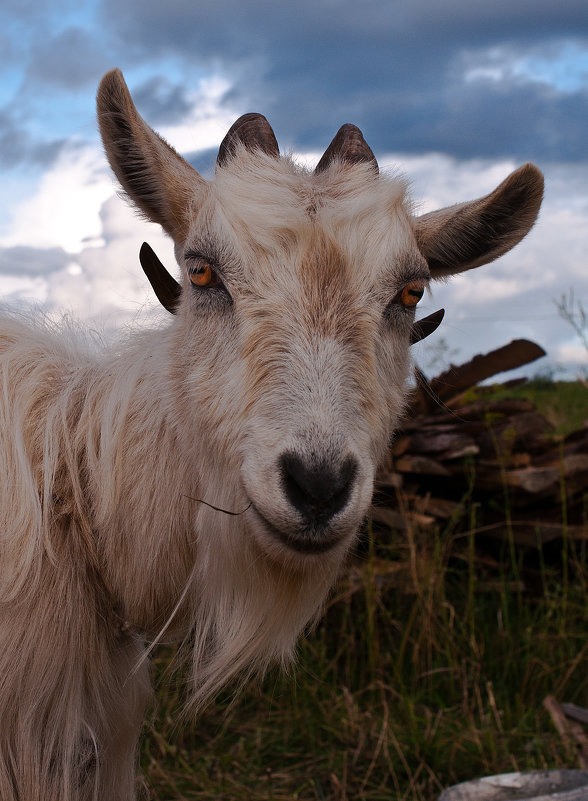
(203, 275)
(412, 293)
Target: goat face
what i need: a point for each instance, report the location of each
(323, 364)
(295, 317)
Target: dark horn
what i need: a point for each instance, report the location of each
(422, 328)
(166, 287)
(253, 131)
(349, 146)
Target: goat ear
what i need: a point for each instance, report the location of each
(468, 235)
(156, 178)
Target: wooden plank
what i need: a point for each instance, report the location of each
(530, 533)
(573, 736)
(426, 441)
(441, 508)
(399, 520)
(457, 379)
(575, 712)
(535, 480)
(421, 464)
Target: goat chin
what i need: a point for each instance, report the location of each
(203, 482)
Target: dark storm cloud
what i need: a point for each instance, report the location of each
(231, 28)
(22, 261)
(161, 101)
(70, 60)
(18, 147)
(204, 161)
(394, 68)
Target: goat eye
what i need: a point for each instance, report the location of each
(203, 275)
(410, 295)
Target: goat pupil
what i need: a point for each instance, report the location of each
(412, 293)
(203, 275)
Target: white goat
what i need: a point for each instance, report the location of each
(273, 392)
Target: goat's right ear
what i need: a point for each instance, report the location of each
(470, 234)
(156, 178)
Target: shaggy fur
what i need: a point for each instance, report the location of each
(287, 376)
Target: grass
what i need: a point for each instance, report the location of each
(429, 668)
(416, 678)
(563, 403)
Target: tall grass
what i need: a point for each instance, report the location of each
(429, 668)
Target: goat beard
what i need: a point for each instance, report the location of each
(247, 612)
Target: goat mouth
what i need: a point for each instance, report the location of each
(307, 540)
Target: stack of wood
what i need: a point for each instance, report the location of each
(500, 458)
(570, 720)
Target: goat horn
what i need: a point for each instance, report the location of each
(349, 146)
(166, 287)
(426, 326)
(251, 130)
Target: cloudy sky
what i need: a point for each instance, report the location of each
(454, 93)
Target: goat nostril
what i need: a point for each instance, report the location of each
(320, 489)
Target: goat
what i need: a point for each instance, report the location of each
(272, 392)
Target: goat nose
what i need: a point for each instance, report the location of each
(317, 490)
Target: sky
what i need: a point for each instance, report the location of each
(453, 93)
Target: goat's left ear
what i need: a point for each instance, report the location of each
(468, 235)
(156, 178)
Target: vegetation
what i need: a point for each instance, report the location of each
(429, 668)
(563, 403)
(573, 312)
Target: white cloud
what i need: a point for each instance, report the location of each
(17, 291)
(75, 208)
(110, 285)
(64, 210)
(438, 180)
(208, 122)
(572, 353)
(563, 65)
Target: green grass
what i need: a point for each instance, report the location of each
(563, 403)
(429, 668)
(407, 686)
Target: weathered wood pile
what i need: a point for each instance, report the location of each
(497, 461)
